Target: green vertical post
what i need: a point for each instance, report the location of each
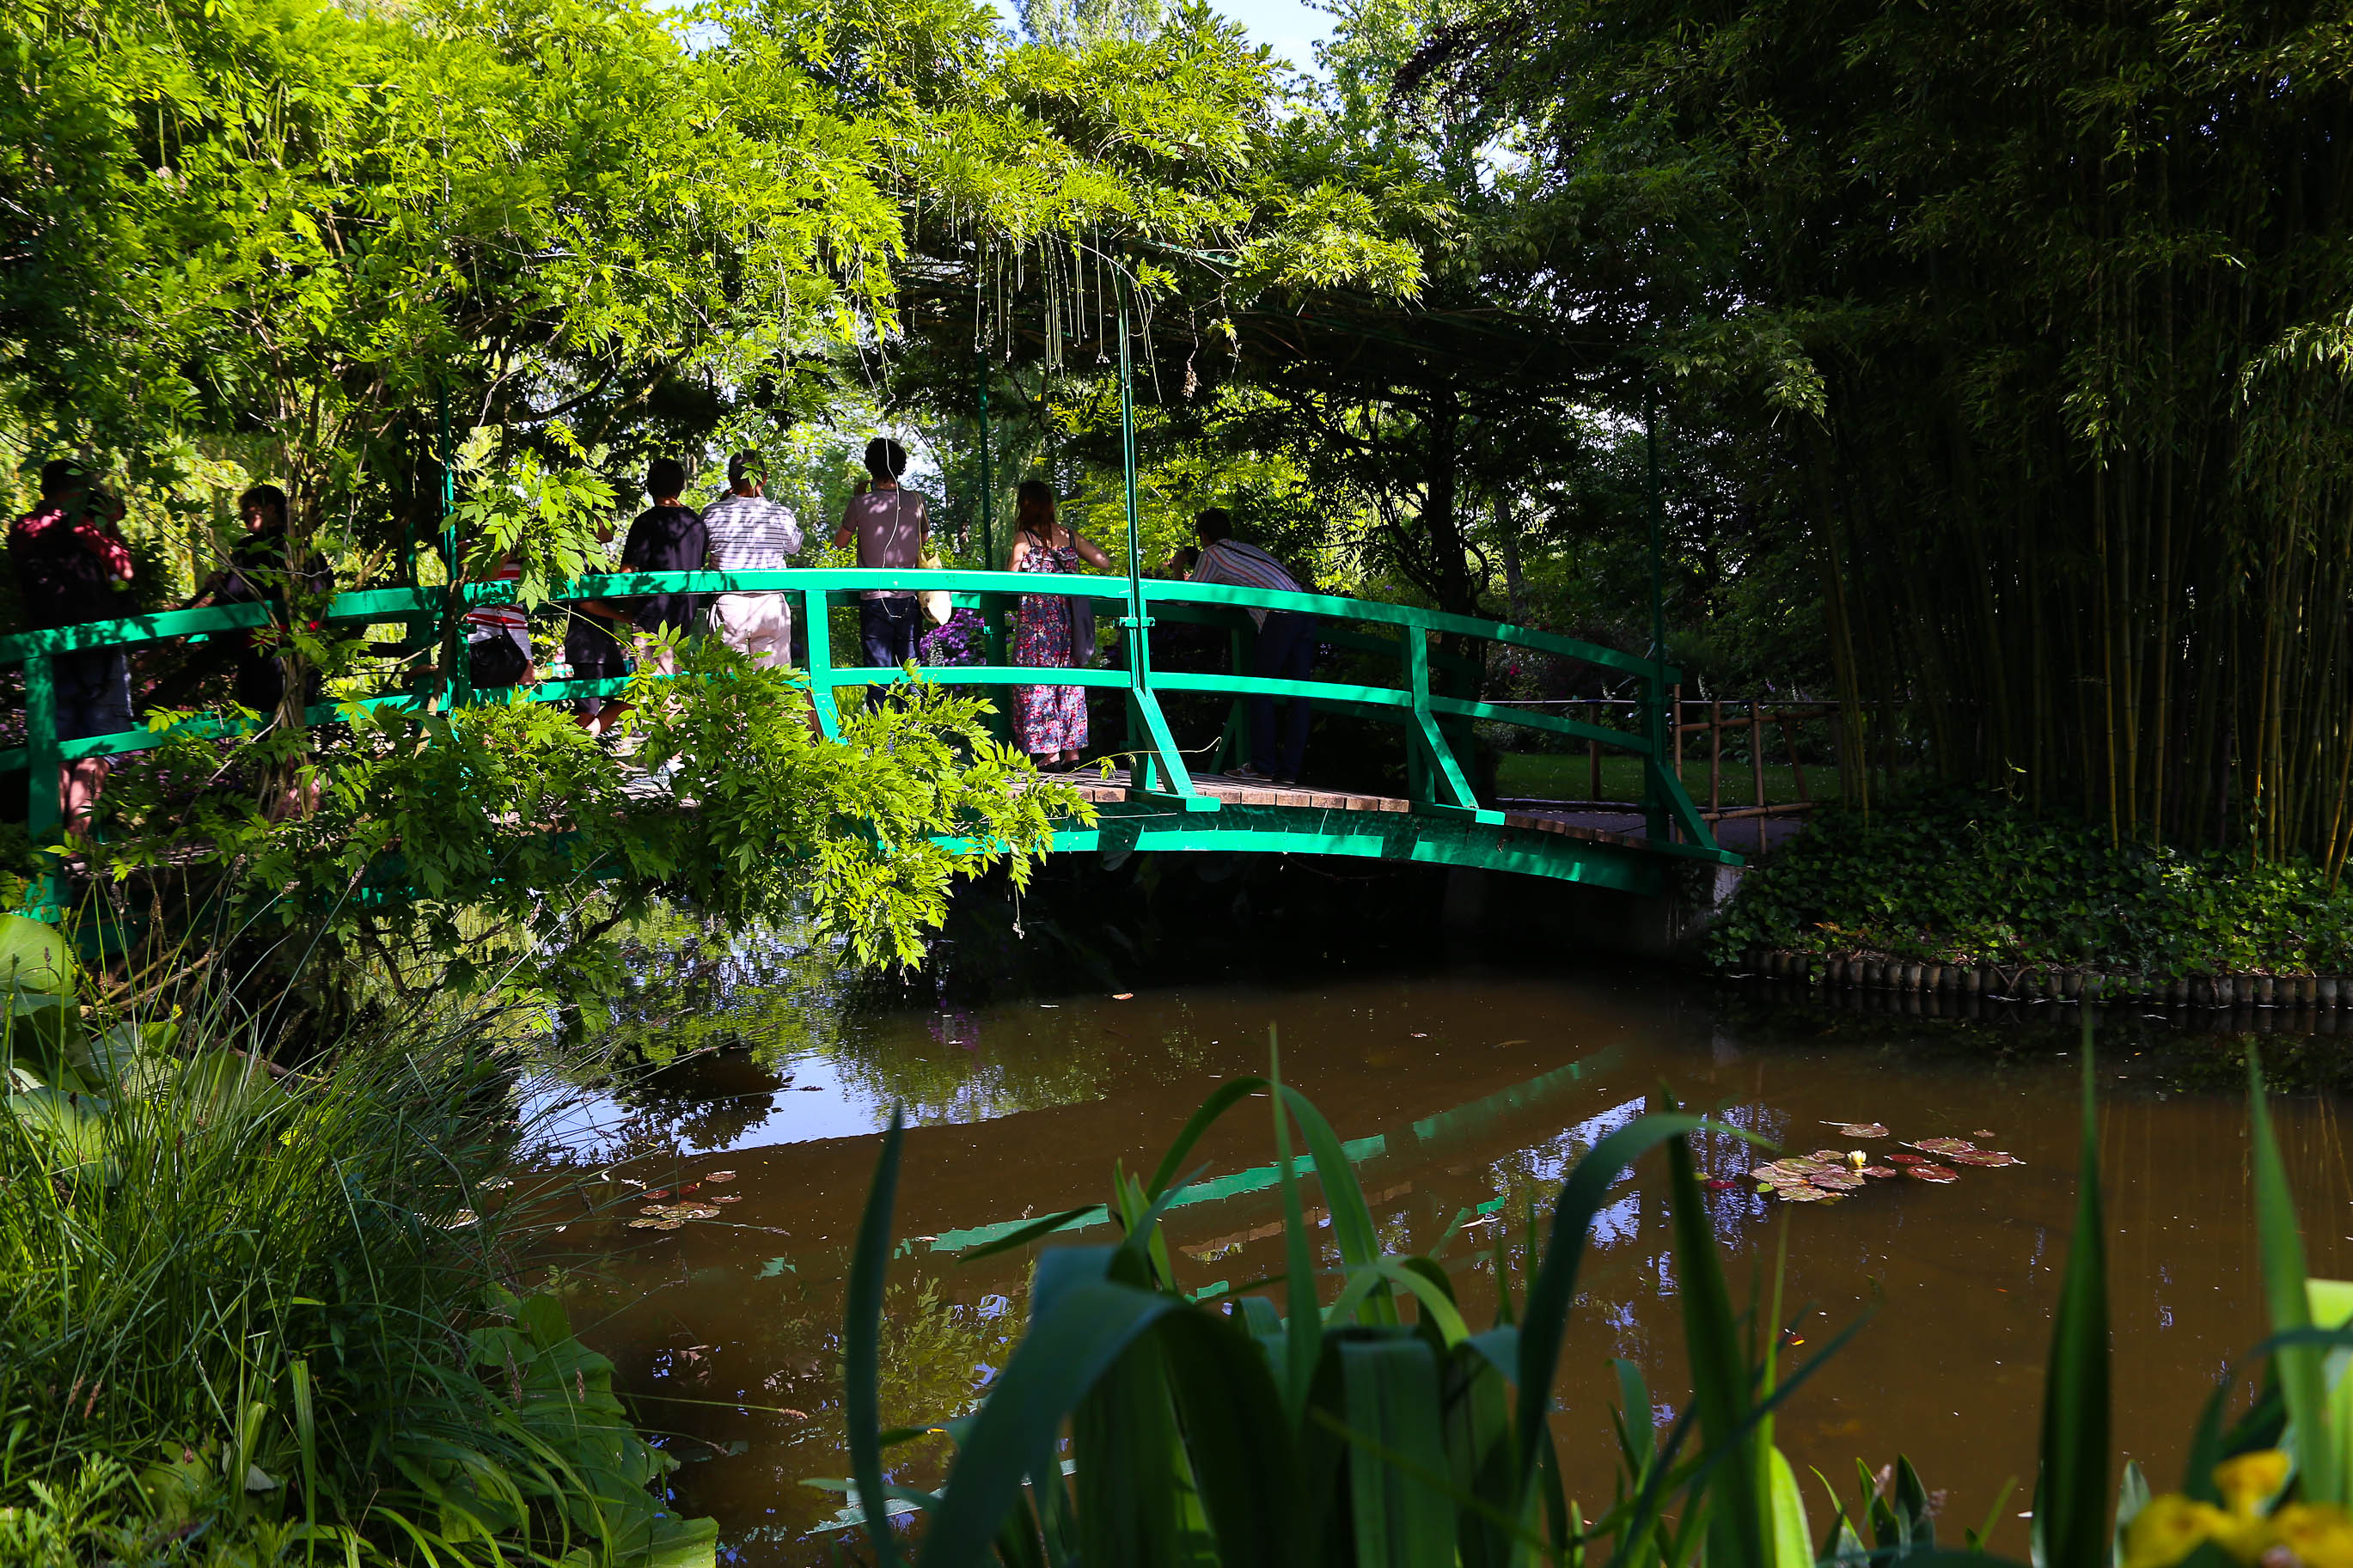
(1654, 689)
(455, 690)
(1139, 654)
(44, 813)
(992, 611)
(987, 481)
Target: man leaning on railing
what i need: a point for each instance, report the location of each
(1286, 650)
(72, 566)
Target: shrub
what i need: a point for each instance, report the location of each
(270, 1307)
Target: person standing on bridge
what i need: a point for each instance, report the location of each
(669, 538)
(1286, 650)
(750, 532)
(72, 567)
(1050, 723)
(889, 525)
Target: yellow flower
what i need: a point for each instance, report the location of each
(2250, 1480)
(2169, 1528)
(2319, 1534)
(2313, 1535)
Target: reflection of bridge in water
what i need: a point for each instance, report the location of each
(1418, 670)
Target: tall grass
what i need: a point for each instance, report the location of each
(1372, 1427)
(270, 1307)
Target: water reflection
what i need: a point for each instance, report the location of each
(1465, 1094)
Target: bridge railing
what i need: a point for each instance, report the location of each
(1435, 698)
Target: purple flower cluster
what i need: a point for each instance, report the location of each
(962, 641)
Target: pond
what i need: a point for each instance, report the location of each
(1468, 1084)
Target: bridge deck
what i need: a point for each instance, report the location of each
(1119, 787)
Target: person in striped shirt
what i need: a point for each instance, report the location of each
(750, 532)
(1285, 648)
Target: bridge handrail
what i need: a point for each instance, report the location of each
(1439, 782)
(391, 604)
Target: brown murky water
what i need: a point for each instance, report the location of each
(1478, 1085)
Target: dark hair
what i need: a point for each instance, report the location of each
(1033, 509)
(64, 474)
(1214, 524)
(885, 459)
(744, 463)
(665, 477)
(269, 498)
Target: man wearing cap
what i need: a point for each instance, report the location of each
(71, 568)
(750, 532)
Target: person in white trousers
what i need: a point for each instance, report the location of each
(750, 532)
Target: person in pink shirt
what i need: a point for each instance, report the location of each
(72, 567)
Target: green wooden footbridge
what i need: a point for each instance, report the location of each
(1165, 802)
(1429, 667)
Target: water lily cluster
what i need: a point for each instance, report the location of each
(1827, 1175)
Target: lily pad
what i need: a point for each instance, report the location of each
(1932, 1174)
(1832, 1157)
(1857, 1129)
(656, 1223)
(1882, 1173)
(1909, 1160)
(1984, 1133)
(694, 1211)
(1838, 1181)
(718, 1175)
(1984, 1157)
(1804, 1193)
(1718, 1185)
(655, 1193)
(1945, 1146)
(728, 1198)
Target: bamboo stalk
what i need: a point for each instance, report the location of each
(1716, 756)
(1756, 751)
(1797, 768)
(1593, 753)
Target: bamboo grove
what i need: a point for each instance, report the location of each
(2074, 282)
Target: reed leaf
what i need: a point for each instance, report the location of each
(2300, 1367)
(2071, 1511)
(861, 1339)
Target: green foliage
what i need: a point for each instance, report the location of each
(1953, 877)
(523, 842)
(1377, 1427)
(266, 1310)
(2026, 317)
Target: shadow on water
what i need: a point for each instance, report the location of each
(1464, 1079)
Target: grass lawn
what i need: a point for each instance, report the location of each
(1562, 775)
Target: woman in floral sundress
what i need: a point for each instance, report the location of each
(1050, 723)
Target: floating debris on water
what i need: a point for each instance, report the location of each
(1983, 1132)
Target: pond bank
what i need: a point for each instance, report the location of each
(1941, 892)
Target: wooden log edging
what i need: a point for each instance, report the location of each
(1866, 971)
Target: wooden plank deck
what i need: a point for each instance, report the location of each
(1119, 788)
